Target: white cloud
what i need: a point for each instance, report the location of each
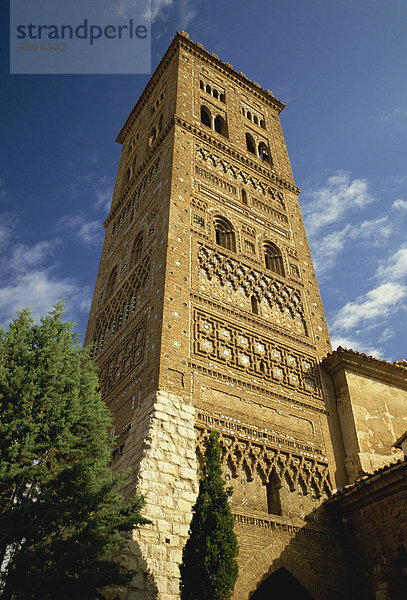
(374, 230)
(375, 303)
(355, 344)
(326, 250)
(88, 232)
(187, 13)
(158, 6)
(395, 267)
(103, 198)
(40, 291)
(128, 8)
(25, 257)
(98, 190)
(330, 203)
(399, 204)
(158, 9)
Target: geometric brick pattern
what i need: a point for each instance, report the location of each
(215, 339)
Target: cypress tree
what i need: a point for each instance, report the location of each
(60, 514)
(209, 567)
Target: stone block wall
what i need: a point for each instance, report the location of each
(167, 476)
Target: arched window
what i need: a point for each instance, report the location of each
(222, 98)
(262, 124)
(249, 115)
(255, 120)
(215, 94)
(208, 89)
(205, 116)
(251, 146)
(111, 282)
(273, 258)
(244, 196)
(264, 153)
(255, 305)
(220, 126)
(137, 248)
(201, 85)
(225, 235)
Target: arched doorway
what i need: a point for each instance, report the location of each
(281, 584)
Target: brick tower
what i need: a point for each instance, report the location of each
(206, 315)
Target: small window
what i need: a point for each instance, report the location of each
(208, 89)
(201, 85)
(251, 146)
(215, 94)
(273, 258)
(244, 196)
(255, 120)
(222, 98)
(225, 235)
(264, 153)
(262, 124)
(249, 115)
(255, 305)
(205, 116)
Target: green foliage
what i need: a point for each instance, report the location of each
(209, 568)
(60, 513)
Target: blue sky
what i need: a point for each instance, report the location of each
(341, 67)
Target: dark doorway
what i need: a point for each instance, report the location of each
(281, 584)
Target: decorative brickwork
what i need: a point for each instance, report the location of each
(207, 315)
(236, 276)
(262, 457)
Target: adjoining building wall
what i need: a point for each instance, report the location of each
(372, 521)
(371, 399)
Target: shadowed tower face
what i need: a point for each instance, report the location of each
(207, 315)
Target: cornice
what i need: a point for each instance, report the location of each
(362, 364)
(237, 76)
(181, 40)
